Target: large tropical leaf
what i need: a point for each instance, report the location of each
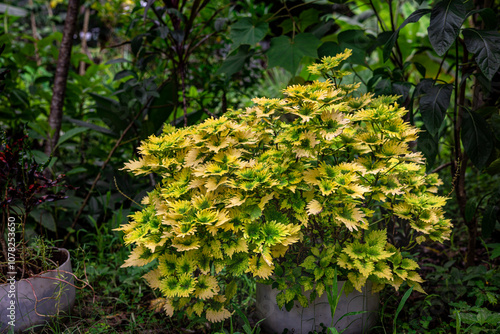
(446, 19)
(486, 46)
(433, 106)
(288, 53)
(246, 31)
(476, 138)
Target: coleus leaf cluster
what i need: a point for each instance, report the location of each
(288, 190)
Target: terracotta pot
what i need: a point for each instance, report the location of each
(20, 309)
(302, 320)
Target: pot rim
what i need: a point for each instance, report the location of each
(44, 274)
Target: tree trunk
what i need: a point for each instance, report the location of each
(85, 48)
(35, 34)
(61, 77)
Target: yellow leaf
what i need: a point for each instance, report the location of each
(153, 278)
(314, 207)
(265, 200)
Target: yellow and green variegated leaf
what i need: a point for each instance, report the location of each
(169, 286)
(309, 263)
(408, 264)
(183, 244)
(289, 295)
(415, 277)
(365, 267)
(198, 308)
(376, 238)
(320, 288)
(258, 267)
(312, 176)
(140, 256)
(315, 251)
(417, 287)
(273, 233)
(213, 183)
(356, 250)
(382, 270)
(377, 287)
(344, 261)
(186, 285)
(207, 287)
(420, 239)
(303, 300)
(357, 280)
(352, 217)
(318, 273)
(403, 274)
(377, 253)
(185, 264)
(306, 283)
(265, 199)
(330, 273)
(280, 299)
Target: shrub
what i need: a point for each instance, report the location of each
(289, 190)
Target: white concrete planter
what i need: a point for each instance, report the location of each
(52, 297)
(302, 320)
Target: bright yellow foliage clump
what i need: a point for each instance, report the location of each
(288, 190)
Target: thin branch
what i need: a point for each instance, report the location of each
(443, 166)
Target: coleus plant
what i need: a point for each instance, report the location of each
(290, 190)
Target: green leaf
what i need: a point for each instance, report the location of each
(328, 49)
(40, 157)
(246, 31)
(278, 270)
(124, 74)
(254, 212)
(433, 106)
(496, 252)
(69, 134)
(77, 170)
(44, 218)
(289, 305)
(307, 18)
(486, 46)
(235, 61)
(414, 17)
(358, 42)
(421, 69)
(490, 217)
(90, 126)
(231, 290)
(383, 87)
(476, 138)
(288, 53)
(446, 19)
(494, 167)
(400, 307)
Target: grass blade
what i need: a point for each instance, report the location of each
(400, 307)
